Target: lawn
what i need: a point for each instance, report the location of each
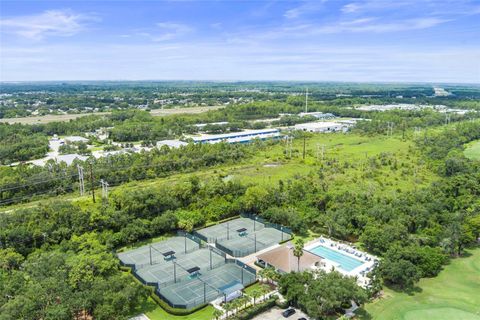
(155, 312)
(473, 150)
(453, 294)
(351, 153)
(256, 286)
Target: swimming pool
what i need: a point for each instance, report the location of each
(347, 263)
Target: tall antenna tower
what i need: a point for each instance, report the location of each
(306, 100)
(81, 184)
(288, 146)
(447, 118)
(104, 189)
(390, 128)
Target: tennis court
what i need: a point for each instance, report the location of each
(229, 230)
(154, 253)
(206, 287)
(170, 271)
(259, 240)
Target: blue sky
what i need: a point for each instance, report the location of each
(322, 40)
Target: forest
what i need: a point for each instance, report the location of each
(414, 232)
(416, 209)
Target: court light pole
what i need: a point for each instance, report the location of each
(210, 257)
(242, 275)
(174, 272)
(150, 247)
(204, 293)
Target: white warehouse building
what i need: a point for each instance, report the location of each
(324, 126)
(238, 137)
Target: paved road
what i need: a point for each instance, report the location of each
(276, 314)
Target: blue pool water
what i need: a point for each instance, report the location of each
(347, 263)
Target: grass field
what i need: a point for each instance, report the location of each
(68, 117)
(154, 312)
(472, 150)
(351, 152)
(453, 294)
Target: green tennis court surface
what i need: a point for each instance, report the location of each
(243, 236)
(186, 273)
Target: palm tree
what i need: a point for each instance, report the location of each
(265, 290)
(228, 307)
(269, 273)
(274, 275)
(263, 274)
(244, 300)
(217, 313)
(256, 294)
(237, 303)
(298, 251)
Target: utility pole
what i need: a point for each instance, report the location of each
(104, 189)
(304, 138)
(417, 131)
(288, 146)
(389, 128)
(320, 151)
(81, 183)
(306, 100)
(91, 182)
(447, 118)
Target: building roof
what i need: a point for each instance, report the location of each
(69, 158)
(236, 136)
(317, 114)
(76, 139)
(194, 269)
(201, 125)
(231, 287)
(171, 143)
(318, 125)
(282, 258)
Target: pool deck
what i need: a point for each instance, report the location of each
(360, 272)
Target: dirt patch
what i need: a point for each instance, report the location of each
(272, 165)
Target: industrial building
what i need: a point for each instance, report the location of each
(325, 127)
(237, 137)
(74, 139)
(202, 125)
(171, 143)
(318, 115)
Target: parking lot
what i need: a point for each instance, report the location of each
(276, 314)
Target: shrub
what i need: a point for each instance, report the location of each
(251, 312)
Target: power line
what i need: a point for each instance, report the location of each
(104, 189)
(38, 182)
(91, 182)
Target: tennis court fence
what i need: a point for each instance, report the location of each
(266, 223)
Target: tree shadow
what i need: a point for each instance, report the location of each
(410, 291)
(362, 314)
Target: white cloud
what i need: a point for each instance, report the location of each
(171, 31)
(62, 23)
(216, 61)
(307, 7)
(350, 8)
(371, 25)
